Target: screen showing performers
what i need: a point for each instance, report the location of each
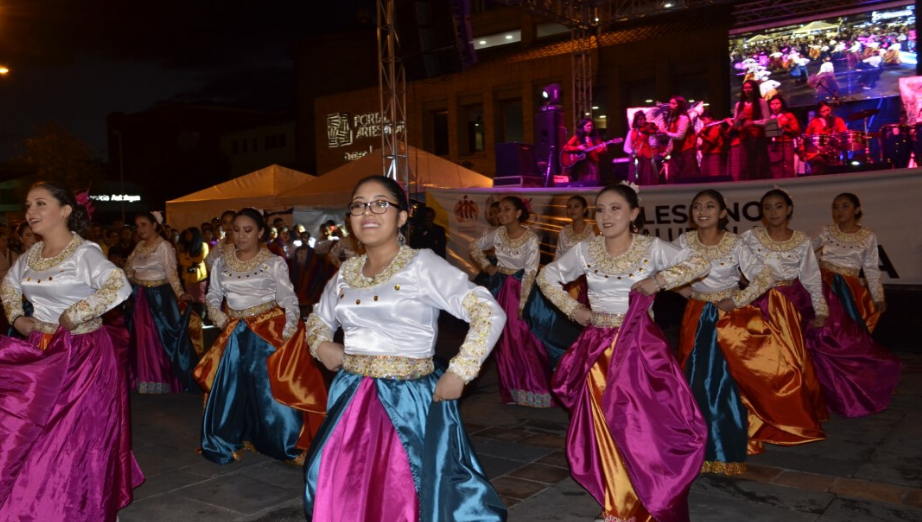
(837, 57)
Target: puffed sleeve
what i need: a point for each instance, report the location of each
(531, 269)
(760, 276)
(677, 266)
(561, 240)
(871, 268)
(322, 322)
(819, 239)
(286, 298)
(485, 242)
(11, 289)
(812, 280)
(109, 281)
(561, 271)
(168, 258)
(445, 287)
(215, 296)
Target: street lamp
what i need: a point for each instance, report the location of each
(4, 71)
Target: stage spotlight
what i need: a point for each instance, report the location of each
(551, 94)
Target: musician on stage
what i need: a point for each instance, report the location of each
(683, 161)
(781, 147)
(712, 144)
(828, 124)
(586, 140)
(641, 150)
(748, 146)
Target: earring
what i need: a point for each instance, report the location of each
(401, 239)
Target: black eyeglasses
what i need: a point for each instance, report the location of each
(378, 206)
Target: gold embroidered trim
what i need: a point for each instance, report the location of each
(531, 399)
(635, 257)
(724, 248)
(505, 270)
(40, 264)
(796, 240)
(556, 294)
(785, 282)
(97, 304)
(142, 250)
(217, 316)
(725, 468)
(317, 332)
(604, 320)
(478, 255)
(236, 265)
(568, 238)
(251, 311)
(714, 296)
(89, 326)
(474, 349)
(152, 283)
(685, 272)
(528, 281)
(12, 301)
(614, 518)
(504, 238)
(843, 270)
(862, 237)
(352, 269)
(759, 284)
(388, 366)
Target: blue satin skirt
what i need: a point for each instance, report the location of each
(448, 480)
(172, 332)
(241, 412)
(718, 397)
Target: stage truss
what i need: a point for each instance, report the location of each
(392, 86)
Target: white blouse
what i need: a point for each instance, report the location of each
(396, 312)
(789, 260)
(610, 278)
(567, 238)
(80, 282)
(261, 281)
(851, 253)
(155, 263)
(512, 255)
(216, 253)
(728, 258)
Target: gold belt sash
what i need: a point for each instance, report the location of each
(388, 366)
(251, 311)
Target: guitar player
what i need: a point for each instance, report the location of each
(585, 172)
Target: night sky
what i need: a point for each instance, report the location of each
(75, 61)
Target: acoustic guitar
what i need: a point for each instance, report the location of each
(569, 159)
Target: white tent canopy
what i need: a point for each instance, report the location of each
(334, 188)
(815, 26)
(260, 189)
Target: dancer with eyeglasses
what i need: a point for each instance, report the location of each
(393, 446)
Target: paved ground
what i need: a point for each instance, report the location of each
(869, 469)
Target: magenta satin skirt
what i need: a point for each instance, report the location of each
(65, 435)
(524, 368)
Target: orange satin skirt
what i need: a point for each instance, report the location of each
(864, 302)
(770, 370)
(621, 502)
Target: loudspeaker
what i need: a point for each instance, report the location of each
(550, 137)
(515, 159)
(435, 37)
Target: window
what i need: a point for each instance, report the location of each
(437, 137)
(474, 129)
(510, 126)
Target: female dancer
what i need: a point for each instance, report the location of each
(844, 249)
(523, 361)
(227, 225)
(731, 364)
(856, 374)
(577, 230)
(748, 146)
(27, 237)
(258, 374)
(621, 371)
(161, 349)
(781, 148)
(683, 160)
(65, 441)
(392, 446)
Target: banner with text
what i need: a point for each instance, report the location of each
(887, 199)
